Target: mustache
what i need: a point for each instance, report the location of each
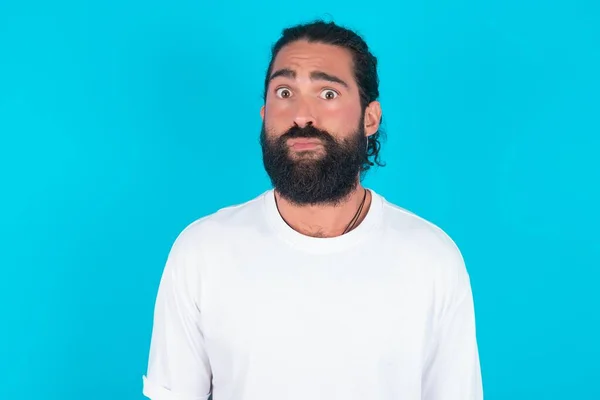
(307, 132)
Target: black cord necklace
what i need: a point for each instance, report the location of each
(357, 215)
(352, 222)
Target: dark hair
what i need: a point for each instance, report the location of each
(365, 66)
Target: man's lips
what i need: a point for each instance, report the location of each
(304, 143)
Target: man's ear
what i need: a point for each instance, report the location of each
(262, 112)
(372, 118)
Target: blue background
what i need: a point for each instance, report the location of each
(121, 122)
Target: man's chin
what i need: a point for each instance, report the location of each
(306, 155)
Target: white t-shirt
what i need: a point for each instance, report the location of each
(250, 309)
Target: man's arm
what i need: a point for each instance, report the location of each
(452, 367)
(178, 366)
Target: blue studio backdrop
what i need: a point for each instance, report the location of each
(122, 122)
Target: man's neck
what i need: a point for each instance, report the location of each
(324, 220)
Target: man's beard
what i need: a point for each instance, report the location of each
(323, 176)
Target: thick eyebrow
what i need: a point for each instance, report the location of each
(315, 76)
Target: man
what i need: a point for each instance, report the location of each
(318, 288)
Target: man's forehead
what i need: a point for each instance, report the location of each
(302, 56)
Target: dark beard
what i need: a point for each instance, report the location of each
(310, 178)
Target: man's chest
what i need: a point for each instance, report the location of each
(331, 314)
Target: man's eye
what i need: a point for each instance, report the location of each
(284, 93)
(329, 94)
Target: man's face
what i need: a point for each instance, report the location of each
(313, 136)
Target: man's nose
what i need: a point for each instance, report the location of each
(304, 114)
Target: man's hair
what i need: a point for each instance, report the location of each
(365, 66)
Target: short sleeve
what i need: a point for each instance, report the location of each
(452, 369)
(178, 365)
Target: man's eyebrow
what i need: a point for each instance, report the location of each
(315, 76)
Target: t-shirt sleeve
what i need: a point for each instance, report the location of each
(178, 365)
(452, 368)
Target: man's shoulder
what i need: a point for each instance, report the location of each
(422, 233)
(426, 244)
(225, 221)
